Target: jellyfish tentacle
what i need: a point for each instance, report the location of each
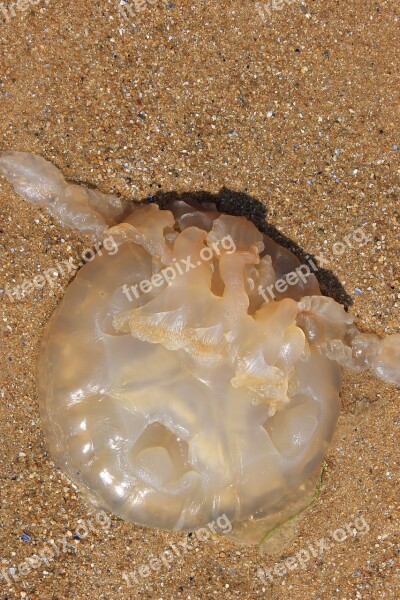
(40, 182)
(326, 323)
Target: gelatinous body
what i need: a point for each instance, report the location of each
(170, 389)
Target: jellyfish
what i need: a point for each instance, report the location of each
(171, 388)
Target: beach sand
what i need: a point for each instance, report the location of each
(300, 111)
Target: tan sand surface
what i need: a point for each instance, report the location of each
(299, 110)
